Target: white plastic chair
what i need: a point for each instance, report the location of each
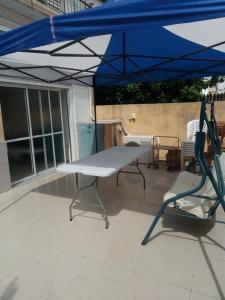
(192, 128)
(188, 145)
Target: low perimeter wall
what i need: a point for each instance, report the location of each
(157, 119)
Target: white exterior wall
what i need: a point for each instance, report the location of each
(80, 99)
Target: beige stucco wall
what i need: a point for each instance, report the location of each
(157, 119)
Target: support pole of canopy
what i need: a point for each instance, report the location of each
(95, 115)
(124, 54)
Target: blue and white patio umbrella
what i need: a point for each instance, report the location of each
(120, 42)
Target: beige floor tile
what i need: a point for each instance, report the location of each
(10, 219)
(35, 229)
(13, 289)
(2, 275)
(4, 237)
(120, 251)
(210, 277)
(41, 248)
(74, 237)
(142, 288)
(34, 204)
(54, 297)
(130, 223)
(170, 259)
(197, 296)
(7, 199)
(93, 280)
(15, 250)
(215, 232)
(46, 270)
(213, 248)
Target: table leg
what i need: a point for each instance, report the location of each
(105, 215)
(78, 189)
(76, 192)
(131, 172)
(141, 174)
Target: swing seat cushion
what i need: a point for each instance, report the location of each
(194, 205)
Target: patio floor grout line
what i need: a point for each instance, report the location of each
(194, 275)
(162, 281)
(157, 279)
(96, 260)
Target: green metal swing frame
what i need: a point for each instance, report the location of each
(205, 170)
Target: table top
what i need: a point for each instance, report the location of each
(165, 147)
(139, 136)
(104, 163)
(112, 121)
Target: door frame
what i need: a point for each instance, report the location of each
(30, 136)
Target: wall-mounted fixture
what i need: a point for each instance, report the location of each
(132, 117)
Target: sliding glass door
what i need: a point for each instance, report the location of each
(16, 131)
(33, 128)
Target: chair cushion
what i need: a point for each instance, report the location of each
(196, 206)
(209, 190)
(186, 181)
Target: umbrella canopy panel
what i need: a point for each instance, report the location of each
(120, 42)
(183, 51)
(70, 62)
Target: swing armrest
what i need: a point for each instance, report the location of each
(204, 197)
(191, 164)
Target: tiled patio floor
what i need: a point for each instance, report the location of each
(45, 256)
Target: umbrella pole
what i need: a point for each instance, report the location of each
(95, 116)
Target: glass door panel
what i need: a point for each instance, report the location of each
(20, 163)
(43, 151)
(59, 153)
(14, 112)
(39, 154)
(45, 112)
(35, 112)
(49, 151)
(56, 112)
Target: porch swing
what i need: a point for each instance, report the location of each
(201, 200)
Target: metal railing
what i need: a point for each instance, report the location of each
(66, 6)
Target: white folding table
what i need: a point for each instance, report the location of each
(102, 164)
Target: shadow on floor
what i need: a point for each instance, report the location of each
(198, 230)
(10, 291)
(65, 187)
(210, 266)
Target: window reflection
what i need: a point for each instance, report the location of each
(35, 112)
(45, 111)
(55, 109)
(14, 112)
(59, 153)
(19, 154)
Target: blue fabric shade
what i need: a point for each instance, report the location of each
(156, 55)
(141, 47)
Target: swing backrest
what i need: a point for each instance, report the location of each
(209, 189)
